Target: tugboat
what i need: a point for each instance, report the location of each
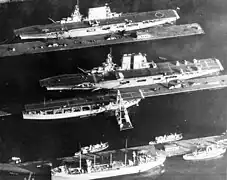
(166, 138)
(100, 21)
(93, 148)
(135, 70)
(211, 152)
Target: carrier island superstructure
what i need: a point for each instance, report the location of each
(135, 73)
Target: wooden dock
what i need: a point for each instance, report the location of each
(156, 33)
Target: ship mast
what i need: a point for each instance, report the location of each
(126, 150)
(80, 156)
(78, 3)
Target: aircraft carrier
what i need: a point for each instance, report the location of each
(155, 33)
(187, 86)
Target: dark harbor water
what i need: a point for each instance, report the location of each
(193, 114)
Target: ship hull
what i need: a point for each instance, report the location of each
(93, 31)
(132, 82)
(63, 115)
(107, 26)
(218, 154)
(83, 113)
(112, 173)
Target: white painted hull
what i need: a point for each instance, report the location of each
(111, 173)
(166, 141)
(218, 153)
(62, 115)
(99, 30)
(170, 140)
(110, 107)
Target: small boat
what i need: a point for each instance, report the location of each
(93, 148)
(210, 152)
(166, 138)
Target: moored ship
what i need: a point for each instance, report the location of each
(210, 152)
(166, 138)
(92, 170)
(100, 21)
(70, 108)
(93, 148)
(135, 70)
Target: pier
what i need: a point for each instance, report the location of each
(181, 147)
(155, 33)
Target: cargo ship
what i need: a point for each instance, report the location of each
(100, 21)
(80, 108)
(135, 71)
(96, 168)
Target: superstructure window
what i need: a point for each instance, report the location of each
(171, 77)
(76, 109)
(86, 108)
(157, 78)
(49, 112)
(106, 28)
(141, 80)
(130, 25)
(91, 30)
(124, 82)
(95, 107)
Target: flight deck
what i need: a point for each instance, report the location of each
(198, 84)
(155, 33)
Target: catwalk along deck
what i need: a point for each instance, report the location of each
(156, 33)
